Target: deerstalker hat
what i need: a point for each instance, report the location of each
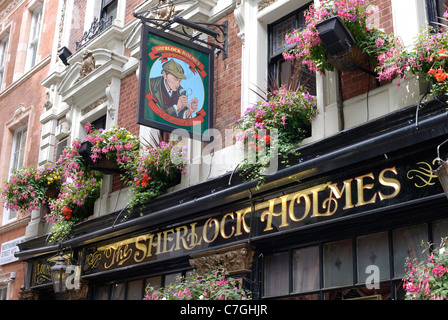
(174, 68)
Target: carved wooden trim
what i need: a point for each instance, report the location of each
(235, 259)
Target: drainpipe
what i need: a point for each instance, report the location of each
(340, 102)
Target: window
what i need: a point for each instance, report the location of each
(16, 163)
(276, 274)
(435, 10)
(306, 269)
(338, 264)
(99, 123)
(109, 9)
(134, 289)
(60, 148)
(3, 293)
(342, 269)
(288, 73)
(18, 149)
(33, 41)
(3, 52)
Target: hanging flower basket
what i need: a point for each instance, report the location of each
(52, 193)
(342, 51)
(349, 60)
(103, 164)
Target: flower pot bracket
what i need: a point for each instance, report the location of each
(102, 165)
(85, 151)
(334, 35)
(341, 47)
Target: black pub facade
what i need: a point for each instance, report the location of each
(338, 223)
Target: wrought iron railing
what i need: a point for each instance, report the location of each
(97, 27)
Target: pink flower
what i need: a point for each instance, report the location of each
(379, 42)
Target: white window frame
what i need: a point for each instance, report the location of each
(11, 215)
(3, 53)
(34, 38)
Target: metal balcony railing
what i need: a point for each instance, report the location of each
(97, 27)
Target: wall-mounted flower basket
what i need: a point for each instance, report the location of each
(52, 193)
(334, 35)
(349, 60)
(342, 51)
(102, 165)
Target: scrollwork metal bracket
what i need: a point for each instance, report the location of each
(219, 32)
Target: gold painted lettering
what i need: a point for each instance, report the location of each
(118, 254)
(181, 233)
(296, 198)
(207, 225)
(315, 192)
(270, 212)
(223, 224)
(240, 221)
(361, 187)
(166, 239)
(141, 249)
(389, 182)
(347, 188)
(150, 244)
(158, 243)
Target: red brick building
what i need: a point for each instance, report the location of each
(358, 144)
(25, 56)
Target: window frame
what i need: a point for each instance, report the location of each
(276, 58)
(105, 6)
(3, 293)
(4, 44)
(433, 13)
(108, 288)
(393, 278)
(11, 215)
(34, 37)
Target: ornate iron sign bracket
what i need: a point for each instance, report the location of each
(220, 35)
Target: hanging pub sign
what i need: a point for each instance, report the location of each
(175, 85)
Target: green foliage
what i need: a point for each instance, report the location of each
(428, 279)
(214, 286)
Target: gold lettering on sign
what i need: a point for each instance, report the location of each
(319, 201)
(389, 182)
(117, 253)
(93, 259)
(312, 206)
(41, 273)
(424, 174)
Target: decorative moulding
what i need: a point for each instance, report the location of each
(83, 88)
(236, 259)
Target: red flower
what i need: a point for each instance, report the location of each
(145, 180)
(441, 75)
(67, 212)
(267, 139)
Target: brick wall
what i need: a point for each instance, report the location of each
(357, 82)
(77, 23)
(227, 85)
(26, 92)
(19, 266)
